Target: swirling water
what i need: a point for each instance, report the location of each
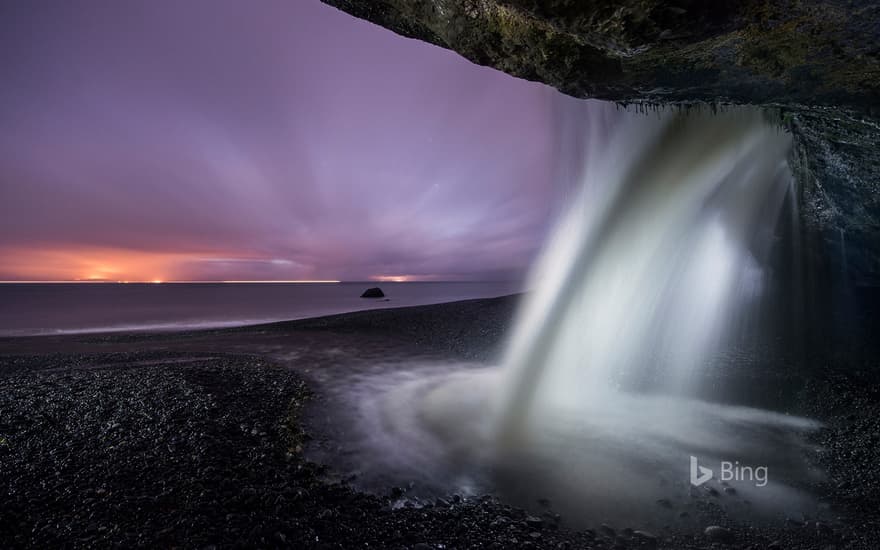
(601, 402)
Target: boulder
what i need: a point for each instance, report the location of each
(374, 292)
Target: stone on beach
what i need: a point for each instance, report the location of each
(374, 292)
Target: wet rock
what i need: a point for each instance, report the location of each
(791, 522)
(664, 503)
(551, 519)
(720, 534)
(374, 292)
(646, 537)
(534, 522)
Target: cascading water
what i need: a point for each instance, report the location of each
(597, 403)
(651, 260)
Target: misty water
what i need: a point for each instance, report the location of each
(659, 266)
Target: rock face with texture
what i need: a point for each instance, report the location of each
(658, 50)
(817, 61)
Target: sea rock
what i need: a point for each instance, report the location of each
(374, 292)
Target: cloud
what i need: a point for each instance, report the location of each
(217, 139)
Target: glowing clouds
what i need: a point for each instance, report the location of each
(275, 142)
(84, 264)
(90, 264)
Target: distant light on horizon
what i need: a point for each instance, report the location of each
(159, 281)
(294, 281)
(391, 278)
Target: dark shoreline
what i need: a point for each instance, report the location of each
(195, 439)
(467, 327)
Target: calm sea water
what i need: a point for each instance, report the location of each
(27, 309)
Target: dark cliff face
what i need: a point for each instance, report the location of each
(810, 52)
(818, 61)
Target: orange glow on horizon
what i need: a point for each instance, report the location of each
(111, 265)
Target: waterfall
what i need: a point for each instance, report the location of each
(657, 268)
(654, 258)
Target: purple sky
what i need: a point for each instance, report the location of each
(219, 140)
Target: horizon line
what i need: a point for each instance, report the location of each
(156, 281)
(293, 281)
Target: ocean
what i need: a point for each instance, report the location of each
(58, 308)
